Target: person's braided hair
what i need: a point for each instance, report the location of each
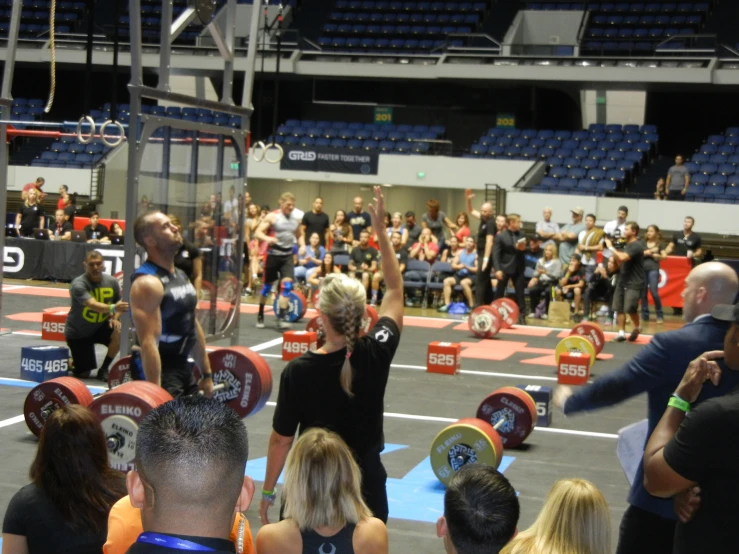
(343, 301)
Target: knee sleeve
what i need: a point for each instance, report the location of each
(266, 288)
(287, 288)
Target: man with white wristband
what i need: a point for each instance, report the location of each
(93, 318)
(693, 448)
(485, 237)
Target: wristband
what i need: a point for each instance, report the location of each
(112, 308)
(678, 403)
(269, 496)
(206, 376)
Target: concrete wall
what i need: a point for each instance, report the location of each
(550, 27)
(78, 180)
(622, 106)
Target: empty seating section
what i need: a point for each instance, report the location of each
(399, 27)
(35, 17)
(392, 139)
(26, 109)
(635, 27)
(714, 169)
(596, 161)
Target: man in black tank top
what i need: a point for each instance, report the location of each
(281, 230)
(163, 303)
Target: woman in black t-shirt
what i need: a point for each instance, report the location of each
(341, 386)
(652, 255)
(66, 506)
(30, 215)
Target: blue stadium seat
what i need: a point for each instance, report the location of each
(567, 183)
(699, 179)
(551, 182)
(607, 164)
(607, 186)
(717, 180)
(587, 185)
(708, 169)
(733, 159)
(692, 167)
(596, 174)
(569, 163)
(576, 173)
(717, 159)
(558, 172)
(589, 163)
(726, 149)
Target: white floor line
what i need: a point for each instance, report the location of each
(266, 345)
(12, 420)
(26, 334)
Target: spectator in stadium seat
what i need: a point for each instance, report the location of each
(546, 228)
(568, 235)
(316, 221)
(660, 192)
(189, 479)
(630, 281)
(341, 233)
(324, 510)
(63, 191)
(414, 230)
(310, 259)
(572, 284)
(363, 260)
(589, 243)
(435, 220)
(463, 227)
(451, 247)
(533, 252)
(678, 180)
(65, 507)
(426, 249)
(464, 264)
(601, 285)
(687, 243)
(547, 273)
(396, 226)
(485, 237)
(327, 267)
(95, 231)
(695, 447)
(38, 184)
(358, 219)
(509, 262)
(648, 525)
(574, 518)
(481, 511)
(401, 254)
(117, 231)
(62, 229)
(652, 256)
(30, 214)
(615, 228)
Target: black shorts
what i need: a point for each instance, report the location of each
(83, 350)
(459, 278)
(278, 267)
(177, 376)
(625, 301)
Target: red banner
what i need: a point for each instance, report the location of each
(672, 274)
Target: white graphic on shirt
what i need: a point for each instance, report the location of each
(382, 335)
(332, 551)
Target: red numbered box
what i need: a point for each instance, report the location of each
(52, 325)
(573, 369)
(297, 343)
(444, 357)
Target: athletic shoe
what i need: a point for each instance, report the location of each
(544, 317)
(260, 322)
(373, 302)
(532, 315)
(443, 309)
(660, 321)
(619, 338)
(603, 309)
(634, 335)
(283, 325)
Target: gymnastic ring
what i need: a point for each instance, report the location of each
(278, 158)
(258, 151)
(112, 144)
(80, 136)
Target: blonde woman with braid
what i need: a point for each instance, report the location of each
(341, 386)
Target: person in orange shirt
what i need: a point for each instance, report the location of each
(124, 527)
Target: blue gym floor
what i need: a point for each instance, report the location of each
(418, 406)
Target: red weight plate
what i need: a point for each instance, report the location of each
(369, 320)
(247, 376)
(316, 326)
(120, 372)
(46, 397)
(484, 322)
(229, 288)
(507, 312)
(516, 410)
(134, 399)
(591, 332)
(304, 302)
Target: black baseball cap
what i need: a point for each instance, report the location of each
(726, 312)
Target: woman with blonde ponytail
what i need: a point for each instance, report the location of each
(341, 386)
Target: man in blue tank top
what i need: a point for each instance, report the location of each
(163, 303)
(281, 230)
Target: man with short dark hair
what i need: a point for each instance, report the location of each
(485, 237)
(316, 221)
(481, 512)
(687, 243)
(363, 260)
(589, 243)
(63, 191)
(414, 230)
(509, 261)
(62, 229)
(678, 180)
(695, 447)
(163, 303)
(38, 184)
(96, 231)
(359, 219)
(614, 229)
(189, 479)
(93, 317)
(630, 281)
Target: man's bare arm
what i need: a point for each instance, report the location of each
(146, 298)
